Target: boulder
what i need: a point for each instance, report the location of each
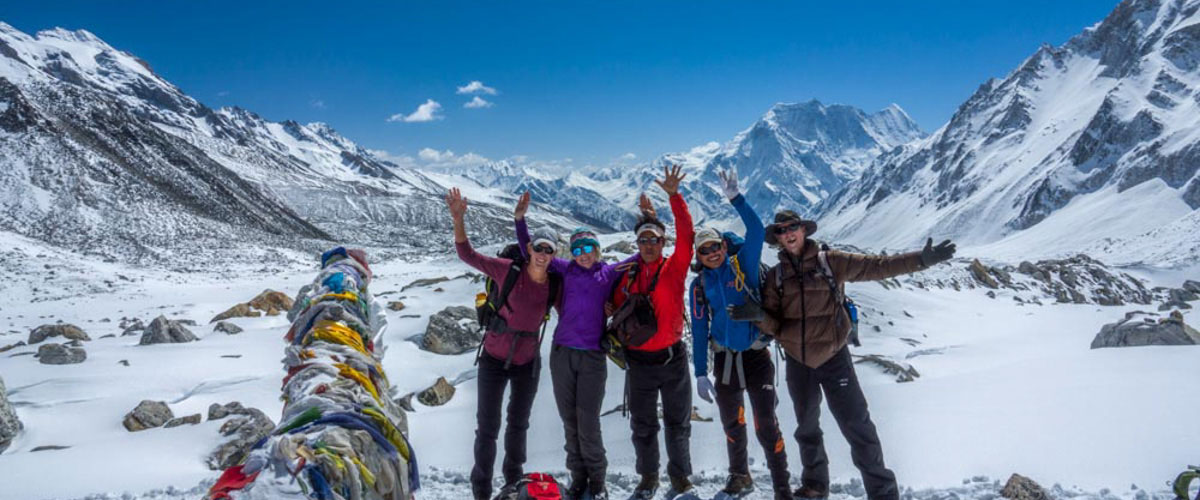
(219, 411)
(49, 447)
(1026, 267)
(626, 247)
(243, 431)
(438, 394)
(188, 420)
(147, 415)
(395, 305)
(980, 272)
(1174, 305)
(1022, 488)
(132, 327)
(10, 347)
(452, 330)
(1140, 328)
(1192, 286)
(165, 331)
(238, 311)
(227, 327)
(10, 425)
(1182, 295)
(272, 302)
(58, 354)
(425, 282)
(69, 331)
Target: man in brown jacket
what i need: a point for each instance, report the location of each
(805, 313)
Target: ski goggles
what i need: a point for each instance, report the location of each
(544, 248)
(709, 249)
(582, 249)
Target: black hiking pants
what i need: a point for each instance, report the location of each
(849, 408)
(579, 378)
(760, 387)
(649, 375)
(492, 380)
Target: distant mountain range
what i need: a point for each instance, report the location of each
(1093, 147)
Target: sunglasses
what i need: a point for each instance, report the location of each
(709, 249)
(582, 249)
(653, 240)
(788, 228)
(544, 248)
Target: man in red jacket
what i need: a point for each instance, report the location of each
(659, 365)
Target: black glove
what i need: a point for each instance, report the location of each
(750, 311)
(931, 255)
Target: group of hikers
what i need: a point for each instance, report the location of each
(634, 312)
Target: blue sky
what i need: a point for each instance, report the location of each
(586, 81)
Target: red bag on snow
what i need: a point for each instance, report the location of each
(536, 486)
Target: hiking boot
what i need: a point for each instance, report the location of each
(784, 494)
(738, 485)
(681, 484)
(810, 493)
(578, 486)
(600, 494)
(509, 491)
(646, 488)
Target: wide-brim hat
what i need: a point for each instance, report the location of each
(785, 217)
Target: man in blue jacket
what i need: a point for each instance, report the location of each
(742, 363)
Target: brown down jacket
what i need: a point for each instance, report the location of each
(808, 327)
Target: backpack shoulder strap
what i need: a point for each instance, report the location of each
(555, 288)
(510, 280)
(700, 299)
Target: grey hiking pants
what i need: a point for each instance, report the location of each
(579, 377)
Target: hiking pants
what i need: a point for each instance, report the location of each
(650, 375)
(849, 408)
(760, 387)
(579, 377)
(523, 382)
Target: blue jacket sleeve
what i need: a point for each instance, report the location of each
(751, 253)
(700, 321)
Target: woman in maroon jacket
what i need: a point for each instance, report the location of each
(508, 357)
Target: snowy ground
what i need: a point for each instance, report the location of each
(1003, 388)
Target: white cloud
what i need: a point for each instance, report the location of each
(223, 93)
(426, 112)
(317, 104)
(478, 102)
(445, 159)
(628, 157)
(476, 87)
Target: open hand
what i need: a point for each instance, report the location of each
(931, 254)
(522, 206)
(646, 206)
(729, 182)
(457, 203)
(671, 179)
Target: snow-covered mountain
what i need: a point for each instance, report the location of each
(795, 156)
(100, 154)
(1086, 146)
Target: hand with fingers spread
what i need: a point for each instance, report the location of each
(671, 179)
(931, 254)
(647, 206)
(729, 183)
(457, 203)
(522, 207)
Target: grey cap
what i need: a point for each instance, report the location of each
(546, 236)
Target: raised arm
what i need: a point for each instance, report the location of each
(557, 264)
(685, 234)
(458, 209)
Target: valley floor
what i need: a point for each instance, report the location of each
(1003, 388)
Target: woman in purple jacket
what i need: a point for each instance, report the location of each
(577, 364)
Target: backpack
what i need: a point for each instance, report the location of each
(634, 323)
(495, 297)
(533, 486)
(839, 292)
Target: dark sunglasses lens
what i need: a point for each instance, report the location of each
(648, 241)
(546, 249)
(786, 229)
(710, 249)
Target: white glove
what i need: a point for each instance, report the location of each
(704, 388)
(729, 183)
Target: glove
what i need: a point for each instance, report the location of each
(704, 388)
(750, 311)
(931, 255)
(729, 183)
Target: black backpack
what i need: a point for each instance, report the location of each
(487, 312)
(634, 323)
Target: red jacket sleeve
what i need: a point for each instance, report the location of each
(676, 267)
